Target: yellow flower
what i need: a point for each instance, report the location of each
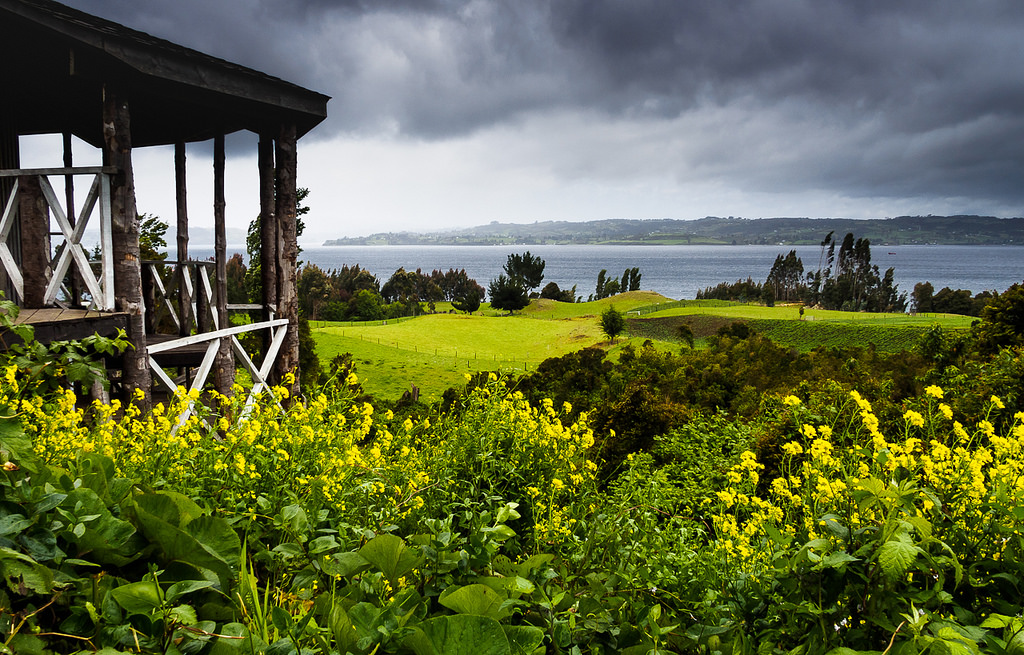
(809, 431)
(997, 403)
(934, 391)
(557, 484)
(792, 448)
(914, 418)
(792, 401)
(946, 411)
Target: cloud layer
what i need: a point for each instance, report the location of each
(871, 104)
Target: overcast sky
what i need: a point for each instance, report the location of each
(449, 113)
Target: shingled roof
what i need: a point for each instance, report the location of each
(56, 61)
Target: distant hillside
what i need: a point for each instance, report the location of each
(902, 230)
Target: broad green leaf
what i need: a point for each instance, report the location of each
(170, 507)
(997, 621)
(138, 597)
(20, 570)
(522, 639)
(179, 589)
(342, 629)
(835, 560)
(345, 564)
(391, 556)
(533, 563)
(207, 542)
(13, 523)
(475, 599)
(897, 555)
(460, 634)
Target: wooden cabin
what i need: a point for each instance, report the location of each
(69, 73)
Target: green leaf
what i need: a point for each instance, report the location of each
(185, 587)
(833, 525)
(206, 541)
(345, 564)
(391, 556)
(138, 597)
(522, 639)
(21, 571)
(460, 634)
(476, 599)
(897, 555)
(13, 523)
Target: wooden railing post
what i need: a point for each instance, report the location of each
(35, 240)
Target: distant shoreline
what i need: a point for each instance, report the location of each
(714, 231)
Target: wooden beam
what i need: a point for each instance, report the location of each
(181, 202)
(268, 235)
(224, 375)
(35, 241)
(288, 250)
(81, 170)
(117, 152)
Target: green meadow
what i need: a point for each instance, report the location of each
(435, 351)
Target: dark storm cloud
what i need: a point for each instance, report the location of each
(921, 97)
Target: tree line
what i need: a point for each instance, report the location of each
(846, 280)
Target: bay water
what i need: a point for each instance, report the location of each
(677, 272)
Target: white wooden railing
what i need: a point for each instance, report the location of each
(100, 286)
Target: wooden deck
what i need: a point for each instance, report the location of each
(56, 324)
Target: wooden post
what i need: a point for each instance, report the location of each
(35, 240)
(69, 208)
(9, 159)
(181, 201)
(268, 238)
(117, 152)
(288, 251)
(225, 362)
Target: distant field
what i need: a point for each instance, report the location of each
(434, 352)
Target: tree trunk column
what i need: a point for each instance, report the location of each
(35, 240)
(117, 152)
(288, 251)
(181, 204)
(268, 239)
(225, 363)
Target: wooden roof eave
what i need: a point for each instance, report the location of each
(256, 100)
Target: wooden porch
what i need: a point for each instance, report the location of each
(114, 88)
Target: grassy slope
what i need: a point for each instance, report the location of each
(434, 352)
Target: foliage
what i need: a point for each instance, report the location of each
(552, 292)
(525, 270)
(1002, 320)
(612, 322)
(507, 294)
(152, 239)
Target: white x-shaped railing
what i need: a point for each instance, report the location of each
(101, 287)
(212, 339)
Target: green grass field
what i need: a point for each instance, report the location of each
(434, 352)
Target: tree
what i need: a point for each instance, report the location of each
(253, 246)
(469, 298)
(526, 270)
(599, 292)
(922, 297)
(236, 280)
(634, 279)
(685, 333)
(507, 294)
(552, 292)
(314, 290)
(151, 237)
(612, 322)
(1002, 321)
